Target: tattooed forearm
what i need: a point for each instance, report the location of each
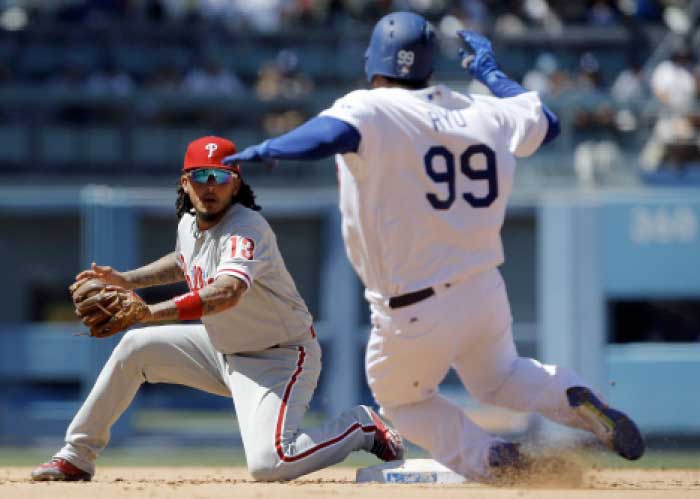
(163, 271)
(223, 293)
(163, 311)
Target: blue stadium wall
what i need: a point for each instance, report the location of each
(569, 255)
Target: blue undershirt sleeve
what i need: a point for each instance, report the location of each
(502, 86)
(318, 138)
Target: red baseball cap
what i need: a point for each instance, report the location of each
(208, 152)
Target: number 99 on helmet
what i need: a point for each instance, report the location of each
(402, 47)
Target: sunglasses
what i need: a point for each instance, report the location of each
(202, 176)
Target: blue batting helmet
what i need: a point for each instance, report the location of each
(402, 46)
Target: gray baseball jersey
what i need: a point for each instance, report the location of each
(243, 245)
(263, 353)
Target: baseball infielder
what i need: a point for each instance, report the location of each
(425, 174)
(256, 342)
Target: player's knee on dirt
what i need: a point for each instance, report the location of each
(265, 473)
(265, 466)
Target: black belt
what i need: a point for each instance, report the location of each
(410, 298)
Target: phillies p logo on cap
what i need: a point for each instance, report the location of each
(211, 147)
(208, 152)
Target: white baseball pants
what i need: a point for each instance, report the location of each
(271, 390)
(466, 326)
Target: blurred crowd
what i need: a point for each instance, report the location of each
(209, 70)
(278, 80)
(605, 111)
(273, 15)
(604, 93)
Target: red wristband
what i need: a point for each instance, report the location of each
(189, 306)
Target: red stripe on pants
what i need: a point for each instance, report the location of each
(283, 411)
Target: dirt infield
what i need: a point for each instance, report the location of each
(214, 483)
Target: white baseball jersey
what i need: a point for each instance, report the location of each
(424, 198)
(243, 245)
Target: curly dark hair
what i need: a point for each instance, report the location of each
(245, 196)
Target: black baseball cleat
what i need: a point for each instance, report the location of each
(612, 427)
(60, 470)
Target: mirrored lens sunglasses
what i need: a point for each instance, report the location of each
(202, 175)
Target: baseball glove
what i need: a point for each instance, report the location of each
(106, 309)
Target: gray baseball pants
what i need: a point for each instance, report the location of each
(271, 390)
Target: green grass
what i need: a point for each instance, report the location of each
(688, 459)
(176, 456)
(199, 421)
(217, 456)
(224, 422)
(124, 457)
(150, 423)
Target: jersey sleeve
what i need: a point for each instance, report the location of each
(354, 109)
(245, 254)
(524, 123)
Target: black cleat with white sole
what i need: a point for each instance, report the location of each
(612, 427)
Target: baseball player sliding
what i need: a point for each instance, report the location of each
(256, 342)
(425, 174)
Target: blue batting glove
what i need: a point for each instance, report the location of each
(251, 153)
(478, 58)
(255, 154)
